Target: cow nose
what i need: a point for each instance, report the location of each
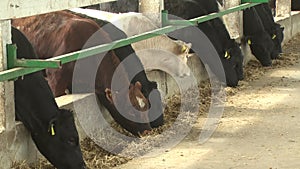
(146, 132)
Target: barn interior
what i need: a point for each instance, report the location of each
(18, 150)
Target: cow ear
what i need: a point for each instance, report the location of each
(189, 55)
(185, 48)
(138, 85)
(227, 55)
(189, 45)
(108, 95)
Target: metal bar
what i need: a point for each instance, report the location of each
(11, 55)
(113, 45)
(16, 72)
(12, 60)
(164, 17)
(37, 63)
(255, 1)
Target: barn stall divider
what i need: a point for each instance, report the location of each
(30, 66)
(17, 68)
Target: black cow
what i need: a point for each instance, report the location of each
(274, 30)
(228, 50)
(230, 46)
(209, 5)
(295, 5)
(52, 129)
(277, 29)
(120, 6)
(255, 35)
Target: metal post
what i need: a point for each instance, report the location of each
(283, 8)
(7, 115)
(233, 20)
(152, 9)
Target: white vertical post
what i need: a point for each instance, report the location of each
(152, 9)
(233, 21)
(283, 8)
(7, 109)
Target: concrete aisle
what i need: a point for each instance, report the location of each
(260, 128)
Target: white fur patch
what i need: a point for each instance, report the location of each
(141, 102)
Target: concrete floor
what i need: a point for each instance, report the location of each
(260, 128)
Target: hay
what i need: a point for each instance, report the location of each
(41, 164)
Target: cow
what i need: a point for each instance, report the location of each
(228, 50)
(155, 53)
(184, 10)
(274, 29)
(295, 5)
(272, 5)
(61, 32)
(255, 35)
(120, 6)
(52, 129)
(149, 88)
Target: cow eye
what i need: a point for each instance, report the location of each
(73, 141)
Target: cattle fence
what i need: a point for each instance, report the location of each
(21, 67)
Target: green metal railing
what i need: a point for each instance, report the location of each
(21, 67)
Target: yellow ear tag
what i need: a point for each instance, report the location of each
(52, 130)
(249, 42)
(274, 36)
(183, 49)
(227, 55)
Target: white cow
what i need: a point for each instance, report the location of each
(159, 52)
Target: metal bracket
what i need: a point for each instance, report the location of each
(13, 62)
(165, 20)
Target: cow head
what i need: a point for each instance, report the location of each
(261, 46)
(179, 64)
(130, 108)
(234, 55)
(183, 50)
(277, 37)
(59, 143)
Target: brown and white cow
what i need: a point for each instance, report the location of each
(61, 32)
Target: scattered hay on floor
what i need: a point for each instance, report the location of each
(176, 124)
(41, 164)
